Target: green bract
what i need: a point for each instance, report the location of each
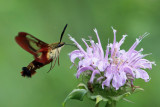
(110, 95)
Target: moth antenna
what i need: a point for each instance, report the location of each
(63, 33)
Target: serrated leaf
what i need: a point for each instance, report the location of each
(119, 97)
(77, 94)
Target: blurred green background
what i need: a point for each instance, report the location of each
(45, 20)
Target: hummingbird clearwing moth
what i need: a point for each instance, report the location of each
(43, 53)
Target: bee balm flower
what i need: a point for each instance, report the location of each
(114, 67)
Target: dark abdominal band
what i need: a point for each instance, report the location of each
(31, 68)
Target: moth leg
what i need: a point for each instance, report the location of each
(50, 66)
(58, 57)
(55, 59)
(53, 64)
(58, 60)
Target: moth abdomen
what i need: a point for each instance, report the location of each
(31, 68)
(26, 72)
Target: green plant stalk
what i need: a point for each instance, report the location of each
(97, 105)
(111, 104)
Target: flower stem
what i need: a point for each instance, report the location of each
(111, 104)
(97, 105)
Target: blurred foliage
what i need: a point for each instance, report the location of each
(45, 20)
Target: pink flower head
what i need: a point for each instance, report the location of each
(113, 67)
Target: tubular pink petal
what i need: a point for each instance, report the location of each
(138, 58)
(107, 53)
(82, 69)
(124, 77)
(128, 70)
(102, 65)
(99, 44)
(75, 54)
(79, 46)
(133, 57)
(93, 45)
(114, 41)
(109, 75)
(89, 49)
(133, 47)
(93, 75)
(99, 79)
(85, 42)
(116, 82)
(142, 74)
(144, 63)
(122, 40)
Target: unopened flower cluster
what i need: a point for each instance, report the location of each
(112, 67)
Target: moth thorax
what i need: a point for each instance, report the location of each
(53, 53)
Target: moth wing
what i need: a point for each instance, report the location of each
(30, 43)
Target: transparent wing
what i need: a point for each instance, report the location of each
(30, 43)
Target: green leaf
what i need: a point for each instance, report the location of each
(138, 89)
(82, 86)
(119, 97)
(98, 98)
(77, 94)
